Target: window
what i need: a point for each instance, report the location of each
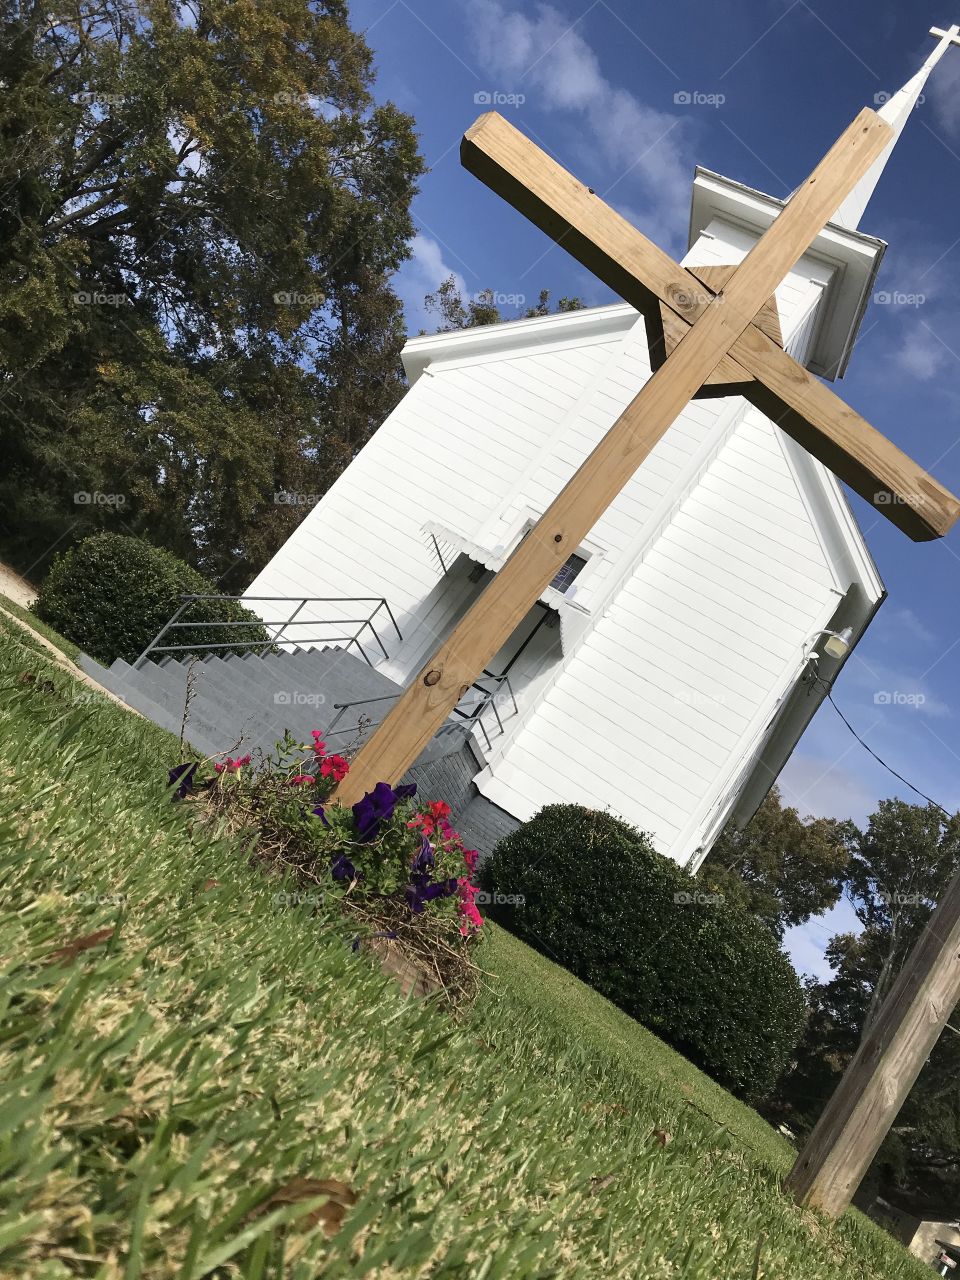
(568, 572)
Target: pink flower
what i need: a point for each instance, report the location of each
(336, 767)
(470, 918)
(232, 766)
(424, 822)
(300, 779)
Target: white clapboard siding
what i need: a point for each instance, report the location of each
(450, 452)
(689, 662)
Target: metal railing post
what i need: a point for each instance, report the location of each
(376, 636)
(385, 604)
(161, 633)
(436, 547)
(356, 640)
(286, 624)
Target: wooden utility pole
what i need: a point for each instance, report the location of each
(859, 1115)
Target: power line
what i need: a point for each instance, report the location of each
(879, 761)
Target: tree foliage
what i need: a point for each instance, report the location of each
(203, 206)
(781, 867)
(454, 311)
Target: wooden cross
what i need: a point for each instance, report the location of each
(708, 329)
(705, 330)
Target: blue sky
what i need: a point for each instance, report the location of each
(595, 82)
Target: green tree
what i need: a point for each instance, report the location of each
(202, 210)
(781, 867)
(454, 311)
(542, 307)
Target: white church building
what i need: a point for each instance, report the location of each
(670, 669)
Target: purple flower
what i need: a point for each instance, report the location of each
(406, 791)
(341, 868)
(422, 890)
(319, 813)
(424, 860)
(376, 806)
(183, 775)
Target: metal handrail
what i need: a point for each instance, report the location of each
(379, 601)
(474, 717)
(363, 625)
(439, 554)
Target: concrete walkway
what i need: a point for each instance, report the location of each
(16, 588)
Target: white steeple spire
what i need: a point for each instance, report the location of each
(896, 111)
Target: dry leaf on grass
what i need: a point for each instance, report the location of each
(331, 1214)
(661, 1136)
(70, 950)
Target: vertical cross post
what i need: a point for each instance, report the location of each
(425, 704)
(876, 1083)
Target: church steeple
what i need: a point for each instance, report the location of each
(896, 111)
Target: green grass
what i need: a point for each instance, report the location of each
(160, 1086)
(565, 1007)
(60, 642)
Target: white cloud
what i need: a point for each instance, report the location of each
(922, 354)
(539, 54)
(828, 788)
(419, 276)
(905, 622)
(891, 690)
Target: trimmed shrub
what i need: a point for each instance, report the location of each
(112, 593)
(591, 892)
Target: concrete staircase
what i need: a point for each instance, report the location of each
(256, 697)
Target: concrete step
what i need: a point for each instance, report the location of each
(134, 695)
(165, 685)
(259, 696)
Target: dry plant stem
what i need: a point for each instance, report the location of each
(190, 694)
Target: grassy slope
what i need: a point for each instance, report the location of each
(65, 646)
(541, 989)
(160, 1086)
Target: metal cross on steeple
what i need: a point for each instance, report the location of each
(896, 111)
(946, 39)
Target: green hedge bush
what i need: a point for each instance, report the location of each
(707, 978)
(112, 593)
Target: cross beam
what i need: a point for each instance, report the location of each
(719, 327)
(642, 274)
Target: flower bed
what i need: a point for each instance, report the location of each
(395, 864)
